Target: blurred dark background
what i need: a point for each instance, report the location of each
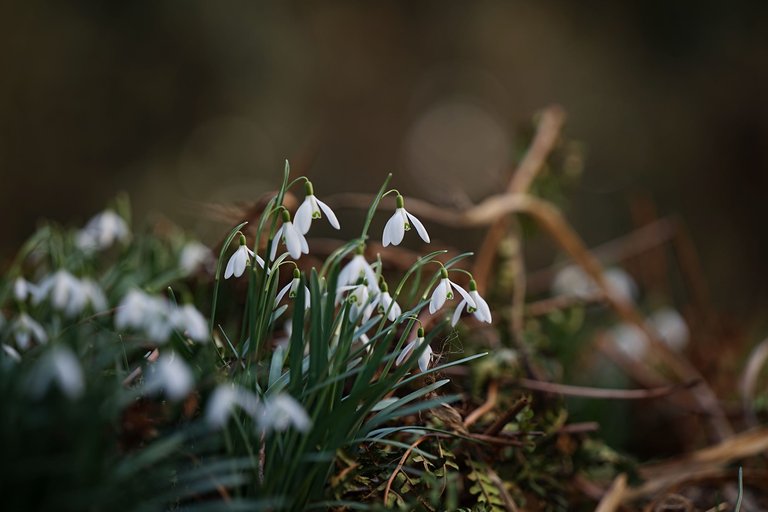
(184, 102)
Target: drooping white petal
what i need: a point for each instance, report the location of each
(406, 352)
(292, 240)
(329, 213)
(464, 293)
(425, 358)
(275, 241)
(282, 293)
(11, 353)
(439, 295)
(420, 229)
(457, 312)
(483, 312)
(394, 230)
(303, 218)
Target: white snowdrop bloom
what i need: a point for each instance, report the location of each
(444, 291)
(281, 412)
(424, 359)
(357, 268)
(102, 231)
(25, 329)
(292, 288)
(671, 327)
(573, 281)
(58, 366)
(11, 353)
(294, 239)
(399, 223)
(169, 375)
(224, 399)
(311, 209)
(482, 312)
(146, 313)
(630, 340)
(188, 320)
(387, 305)
(357, 296)
(22, 289)
(240, 259)
(667, 323)
(64, 291)
(193, 256)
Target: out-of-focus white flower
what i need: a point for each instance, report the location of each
(482, 312)
(25, 329)
(666, 322)
(170, 375)
(223, 401)
(69, 294)
(311, 209)
(191, 322)
(424, 359)
(671, 327)
(399, 223)
(292, 288)
(193, 256)
(58, 366)
(294, 239)
(240, 259)
(573, 281)
(444, 291)
(22, 289)
(146, 313)
(102, 231)
(358, 268)
(11, 352)
(281, 412)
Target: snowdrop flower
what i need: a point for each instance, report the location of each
(240, 259)
(223, 401)
(292, 288)
(444, 292)
(358, 297)
(12, 353)
(424, 359)
(23, 289)
(146, 313)
(190, 321)
(171, 375)
(310, 209)
(671, 327)
(357, 268)
(573, 281)
(69, 294)
(293, 238)
(387, 305)
(281, 412)
(482, 312)
(59, 366)
(399, 223)
(25, 329)
(102, 231)
(193, 256)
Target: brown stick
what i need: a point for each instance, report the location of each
(607, 394)
(487, 406)
(400, 465)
